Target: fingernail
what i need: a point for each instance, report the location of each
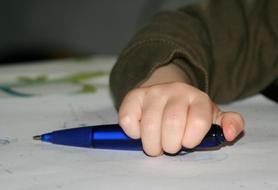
(233, 129)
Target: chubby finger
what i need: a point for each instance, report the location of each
(173, 124)
(130, 112)
(199, 121)
(150, 124)
(232, 124)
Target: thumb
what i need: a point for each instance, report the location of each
(232, 124)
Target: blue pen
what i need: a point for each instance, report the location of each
(113, 137)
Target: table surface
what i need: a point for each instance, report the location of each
(42, 97)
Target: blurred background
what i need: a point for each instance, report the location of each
(35, 29)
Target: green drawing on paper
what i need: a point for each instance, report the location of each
(81, 79)
(30, 80)
(88, 89)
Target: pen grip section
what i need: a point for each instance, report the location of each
(113, 137)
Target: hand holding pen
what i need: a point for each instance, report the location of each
(170, 115)
(162, 118)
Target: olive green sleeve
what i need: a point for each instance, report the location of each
(229, 49)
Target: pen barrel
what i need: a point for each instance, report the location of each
(113, 137)
(213, 139)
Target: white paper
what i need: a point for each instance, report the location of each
(25, 164)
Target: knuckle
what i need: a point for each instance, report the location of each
(172, 119)
(200, 95)
(137, 92)
(205, 96)
(130, 94)
(154, 91)
(179, 87)
(134, 91)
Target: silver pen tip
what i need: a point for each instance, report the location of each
(37, 137)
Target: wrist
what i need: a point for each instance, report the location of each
(166, 74)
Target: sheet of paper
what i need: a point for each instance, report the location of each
(251, 163)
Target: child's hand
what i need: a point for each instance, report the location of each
(171, 115)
